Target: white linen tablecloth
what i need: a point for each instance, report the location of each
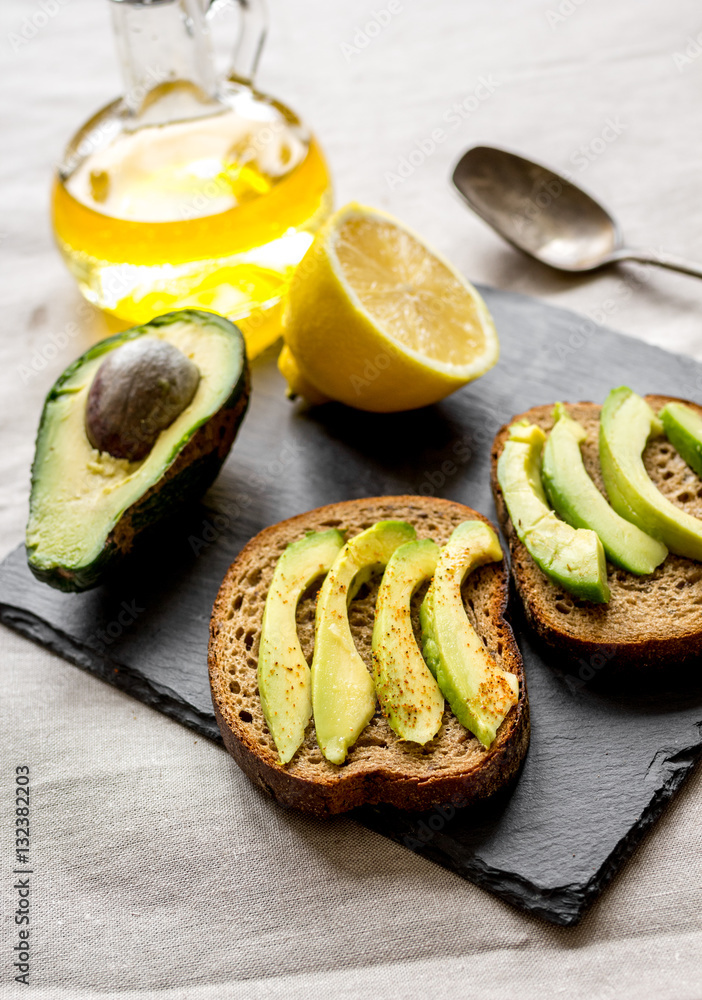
(159, 870)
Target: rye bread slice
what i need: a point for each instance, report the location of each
(651, 621)
(453, 768)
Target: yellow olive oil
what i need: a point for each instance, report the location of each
(212, 213)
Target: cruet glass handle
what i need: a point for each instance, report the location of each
(251, 38)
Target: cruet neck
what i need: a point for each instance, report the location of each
(167, 65)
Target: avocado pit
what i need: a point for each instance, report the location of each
(138, 391)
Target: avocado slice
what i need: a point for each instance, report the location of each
(408, 693)
(572, 557)
(343, 693)
(479, 692)
(577, 500)
(87, 506)
(683, 428)
(284, 680)
(626, 424)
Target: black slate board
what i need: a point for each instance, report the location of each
(601, 764)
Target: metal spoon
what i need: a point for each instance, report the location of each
(545, 215)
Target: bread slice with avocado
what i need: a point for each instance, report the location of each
(650, 620)
(453, 767)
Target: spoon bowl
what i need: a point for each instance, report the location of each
(545, 215)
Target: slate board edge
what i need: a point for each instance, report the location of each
(124, 678)
(567, 903)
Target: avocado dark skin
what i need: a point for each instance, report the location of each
(137, 392)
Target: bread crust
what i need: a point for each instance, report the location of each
(454, 768)
(664, 609)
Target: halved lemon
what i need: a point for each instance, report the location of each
(378, 320)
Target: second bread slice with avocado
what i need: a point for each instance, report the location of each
(650, 620)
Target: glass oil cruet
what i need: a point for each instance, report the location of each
(190, 190)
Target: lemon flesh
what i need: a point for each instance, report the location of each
(379, 321)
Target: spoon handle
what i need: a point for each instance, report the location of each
(661, 260)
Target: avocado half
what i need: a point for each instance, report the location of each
(86, 507)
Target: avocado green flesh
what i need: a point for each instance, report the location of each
(683, 428)
(572, 557)
(343, 693)
(284, 679)
(78, 493)
(479, 692)
(626, 424)
(407, 691)
(578, 501)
